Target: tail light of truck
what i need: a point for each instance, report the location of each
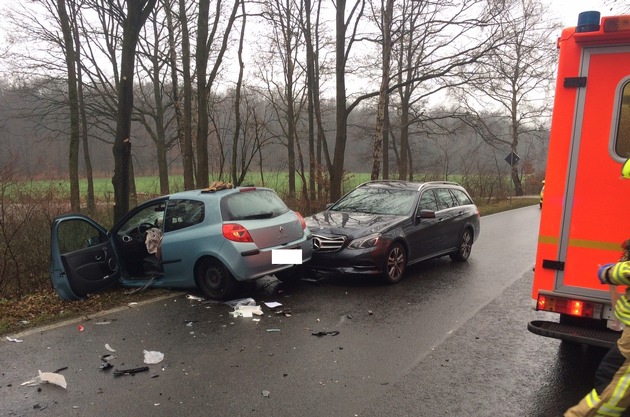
(569, 306)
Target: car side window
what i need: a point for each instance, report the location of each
(427, 201)
(183, 213)
(461, 197)
(444, 199)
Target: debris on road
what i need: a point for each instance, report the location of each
(47, 377)
(11, 339)
(273, 304)
(132, 371)
(265, 393)
(246, 311)
(329, 333)
(194, 297)
(108, 347)
(152, 357)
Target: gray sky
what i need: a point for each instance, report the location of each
(568, 10)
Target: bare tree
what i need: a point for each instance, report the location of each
(381, 131)
(133, 19)
(205, 42)
(514, 83)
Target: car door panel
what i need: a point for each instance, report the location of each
(83, 260)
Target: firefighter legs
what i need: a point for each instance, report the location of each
(615, 398)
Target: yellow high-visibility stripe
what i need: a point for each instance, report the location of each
(550, 240)
(581, 243)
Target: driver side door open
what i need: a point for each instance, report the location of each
(83, 259)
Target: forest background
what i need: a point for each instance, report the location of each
(316, 92)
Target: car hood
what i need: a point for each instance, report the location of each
(330, 223)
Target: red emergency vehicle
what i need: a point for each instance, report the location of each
(586, 215)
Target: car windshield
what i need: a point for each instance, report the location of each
(375, 200)
(251, 205)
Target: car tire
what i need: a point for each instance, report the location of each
(214, 280)
(464, 248)
(395, 263)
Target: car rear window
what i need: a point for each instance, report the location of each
(376, 200)
(251, 205)
(461, 197)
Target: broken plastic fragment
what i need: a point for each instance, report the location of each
(265, 393)
(273, 330)
(153, 357)
(330, 333)
(241, 302)
(108, 347)
(48, 377)
(272, 304)
(194, 297)
(246, 311)
(81, 328)
(11, 339)
(133, 371)
(105, 366)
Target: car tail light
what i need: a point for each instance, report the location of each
(236, 233)
(570, 306)
(245, 189)
(302, 222)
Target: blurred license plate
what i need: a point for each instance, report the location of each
(286, 256)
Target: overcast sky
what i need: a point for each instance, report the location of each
(568, 10)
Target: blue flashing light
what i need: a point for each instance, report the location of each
(588, 22)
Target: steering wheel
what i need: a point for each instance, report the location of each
(143, 227)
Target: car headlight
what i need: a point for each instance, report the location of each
(365, 242)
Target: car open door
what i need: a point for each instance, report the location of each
(83, 259)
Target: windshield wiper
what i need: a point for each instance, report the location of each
(267, 215)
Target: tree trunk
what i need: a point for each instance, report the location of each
(336, 170)
(137, 13)
(187, 148)
(383, 97)
(73, 103)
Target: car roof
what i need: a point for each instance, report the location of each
(407, 185)
(200, 193)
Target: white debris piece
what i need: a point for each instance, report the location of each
(246, 311)
(48, 377)
(194, 297)
(152, 357)
(11, 339)
(108, 347)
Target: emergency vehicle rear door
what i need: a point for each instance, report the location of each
(592, 164)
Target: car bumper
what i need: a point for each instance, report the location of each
(348, 261)
(257, 263)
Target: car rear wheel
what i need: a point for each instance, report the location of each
(214, 280)
(465, 247)
(395, 263)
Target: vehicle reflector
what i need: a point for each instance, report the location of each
(236, 233)
(561, 305)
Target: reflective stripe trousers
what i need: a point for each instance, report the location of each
(615, 398)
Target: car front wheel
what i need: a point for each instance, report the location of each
(465, 247)
(395, 263)
(214, 280)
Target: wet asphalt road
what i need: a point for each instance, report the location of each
(449, 340)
